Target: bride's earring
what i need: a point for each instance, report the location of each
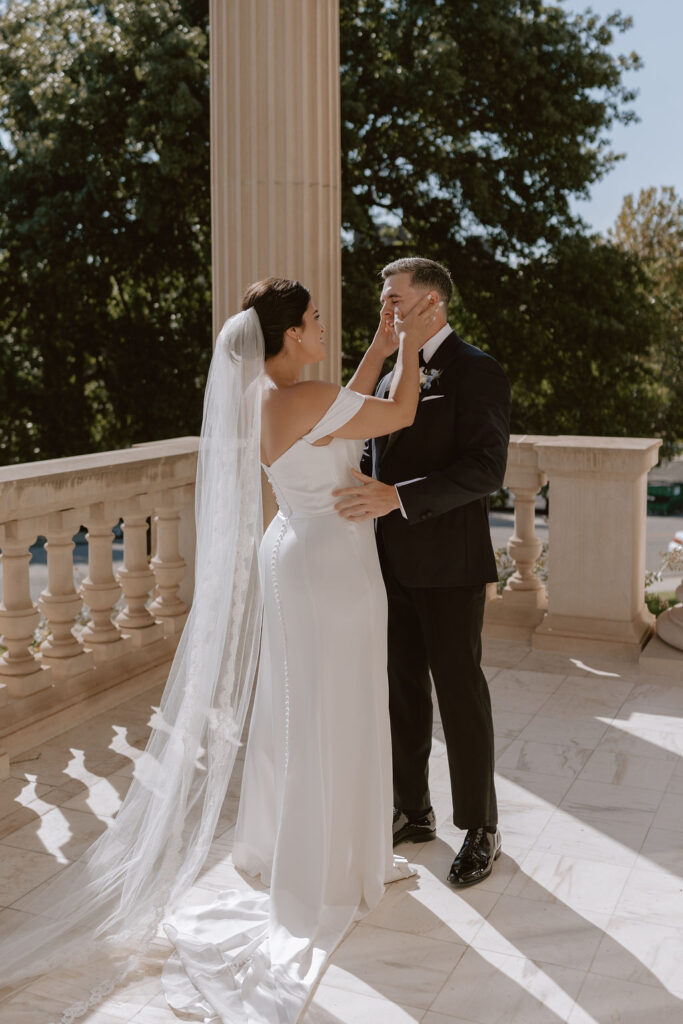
(299, 340)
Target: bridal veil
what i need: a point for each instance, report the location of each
(106, 907)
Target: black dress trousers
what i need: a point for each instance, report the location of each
(437, 558)
(439, 628)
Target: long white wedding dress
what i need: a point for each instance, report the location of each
(316, 803)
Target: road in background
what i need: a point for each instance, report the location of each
(660, 530)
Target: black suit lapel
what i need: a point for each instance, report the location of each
(442, 358)
(445, 353)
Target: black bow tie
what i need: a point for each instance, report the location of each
(421, 359)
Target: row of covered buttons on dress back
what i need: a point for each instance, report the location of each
(282, 504)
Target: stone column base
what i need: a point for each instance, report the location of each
(18, 686)
(601, 636)
(147, 635)
(66, 668)
(117, 648)
(174, 625)
(515, 614)
(660, 659)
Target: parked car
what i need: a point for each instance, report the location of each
(677, 543)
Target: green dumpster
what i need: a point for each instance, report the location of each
(664, 497)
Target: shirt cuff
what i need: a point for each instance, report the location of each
(398, 493)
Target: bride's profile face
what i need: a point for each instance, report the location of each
(311, 333)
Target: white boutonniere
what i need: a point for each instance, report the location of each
(428, 377)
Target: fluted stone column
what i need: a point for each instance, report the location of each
(596, 599)
(516, 612)
(275, 154)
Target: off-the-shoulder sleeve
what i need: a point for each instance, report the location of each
(344, 408)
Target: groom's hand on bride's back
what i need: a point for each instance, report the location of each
(368, 499)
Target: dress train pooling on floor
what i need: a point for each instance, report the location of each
(316, 803)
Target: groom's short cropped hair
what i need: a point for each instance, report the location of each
(423, 272)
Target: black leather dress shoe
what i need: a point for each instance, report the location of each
(474, 861)
(419, 830)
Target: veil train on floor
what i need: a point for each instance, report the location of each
(106, 907)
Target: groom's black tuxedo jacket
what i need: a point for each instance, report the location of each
(458, 443)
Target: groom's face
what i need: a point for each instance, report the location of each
(399, 295)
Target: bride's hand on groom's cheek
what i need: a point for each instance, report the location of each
(368, 499)
(417, 325)
(386, 338)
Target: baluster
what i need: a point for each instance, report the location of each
(524, 546)
(20, 670)
(521, 606)
(60, 603)
(100, 590)
(169, 569)
(137, 579)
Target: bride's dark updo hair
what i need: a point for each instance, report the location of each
(279, 304)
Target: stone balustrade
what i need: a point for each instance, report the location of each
(594, 601)
(148, 483)
(597, 526)
(521, 607)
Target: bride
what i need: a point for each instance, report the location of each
(306, 611)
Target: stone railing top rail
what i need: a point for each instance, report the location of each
(586, 442)
(38, 488)
(586, 456)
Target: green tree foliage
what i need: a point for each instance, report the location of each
(574, 329)
(467, 128)
(104, 223)
(651, 228)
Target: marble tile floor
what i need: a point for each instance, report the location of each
(581, 921)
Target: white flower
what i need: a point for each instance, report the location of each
(427, 378)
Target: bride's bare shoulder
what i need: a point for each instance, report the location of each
(307, 396)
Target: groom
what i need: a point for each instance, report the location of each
(428, 487)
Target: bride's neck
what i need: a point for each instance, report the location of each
(283, 371)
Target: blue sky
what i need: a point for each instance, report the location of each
(654, 147)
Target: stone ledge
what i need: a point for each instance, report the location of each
(39, 488)
(81, 706)
(660, 659)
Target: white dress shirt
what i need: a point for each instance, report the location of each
(427, 350)
(430, 347)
